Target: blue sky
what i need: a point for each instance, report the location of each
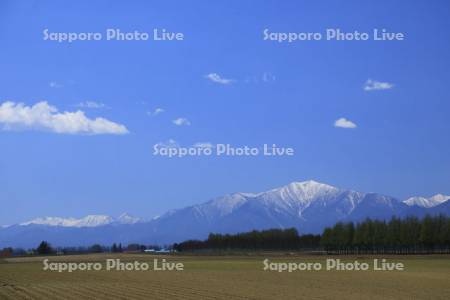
(289, 94)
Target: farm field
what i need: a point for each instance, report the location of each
(224, 277)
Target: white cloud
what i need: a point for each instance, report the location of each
(344, 123)
(42, 116)
(181, 122)
(91, 104)
(54, 84)
(373, 85)
(156, 112)
(214, 77)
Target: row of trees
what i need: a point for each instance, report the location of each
(6, 252)
(398, 236)
(273, 239)
(44, 248)
(115, 248)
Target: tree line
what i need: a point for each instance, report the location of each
(45, 248)
(272, 239)
(396, 236)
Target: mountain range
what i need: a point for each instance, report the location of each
(88, 221)
(309, 206)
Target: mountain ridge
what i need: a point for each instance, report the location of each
(309, 206)
(427, 202)
(87, 221)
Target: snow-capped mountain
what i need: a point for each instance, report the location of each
(309, 206)
(88, 221)
(427, 202)
(127, 219)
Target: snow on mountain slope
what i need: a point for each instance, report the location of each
(127, 219)
(309, 206)
(439, 199)
(427, 202)
(298, 196)
(293, 197)
(303, 192)
(223, 205)
(88, 221)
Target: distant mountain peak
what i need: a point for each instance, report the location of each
(440, 198)
(87, 221)
(309, 206)
(126, 218)
(310, 184)
(304, 191)
(427, 202)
